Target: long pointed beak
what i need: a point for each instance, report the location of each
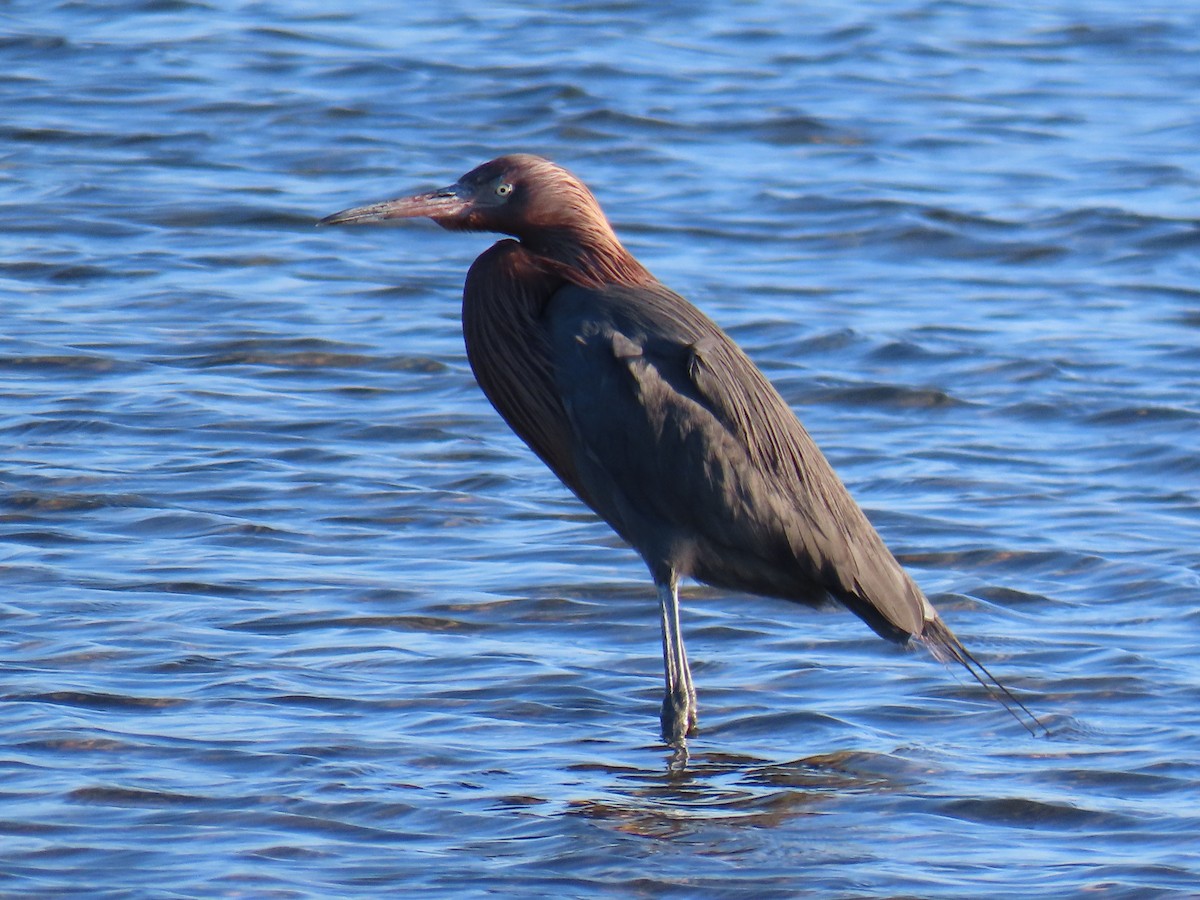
(444, 203)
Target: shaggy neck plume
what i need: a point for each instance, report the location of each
(589, 256)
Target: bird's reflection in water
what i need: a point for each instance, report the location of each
(739, 790)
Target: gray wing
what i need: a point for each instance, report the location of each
(692, 456)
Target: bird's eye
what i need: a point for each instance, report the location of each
(503, 189)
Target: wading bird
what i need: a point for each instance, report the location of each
(657, 420)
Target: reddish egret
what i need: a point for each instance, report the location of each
(657, 420)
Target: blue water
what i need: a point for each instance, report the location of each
(287, 611)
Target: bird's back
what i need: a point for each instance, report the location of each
(689, 452)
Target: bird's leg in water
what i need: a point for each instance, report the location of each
(679, 703)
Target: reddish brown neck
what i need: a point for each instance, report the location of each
(592, 258)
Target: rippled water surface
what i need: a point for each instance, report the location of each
(287, 611)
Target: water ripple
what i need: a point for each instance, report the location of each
(288, 611)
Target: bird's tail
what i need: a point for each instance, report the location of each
(943, 644)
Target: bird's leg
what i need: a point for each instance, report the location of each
(679, 704)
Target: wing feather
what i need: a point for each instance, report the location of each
(694, 458)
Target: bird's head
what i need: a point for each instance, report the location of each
(522, 195)
(550, 210)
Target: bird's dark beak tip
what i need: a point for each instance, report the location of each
(337, 218)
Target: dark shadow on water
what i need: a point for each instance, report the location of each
(738, 790)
